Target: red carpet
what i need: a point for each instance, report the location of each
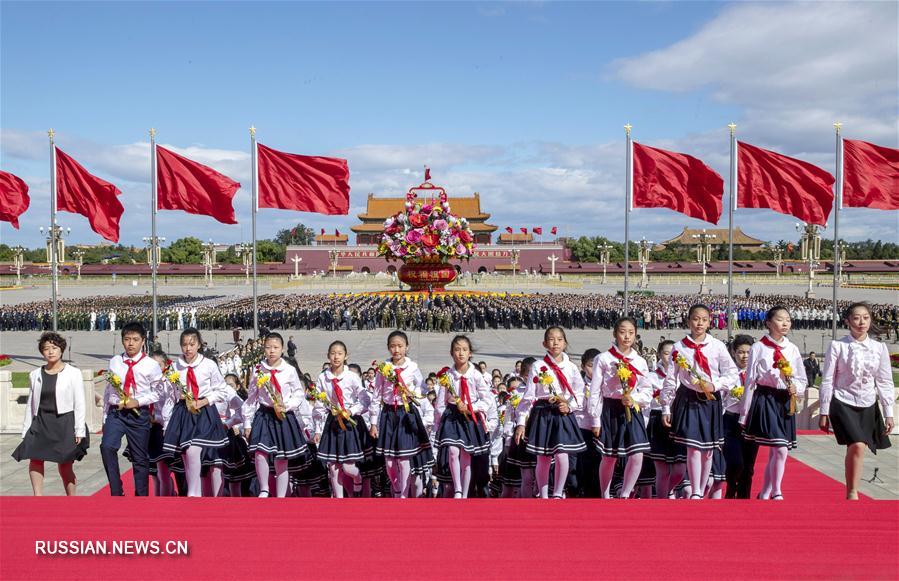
(812, 534)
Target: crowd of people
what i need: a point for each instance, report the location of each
(686, 424)
(446, 313)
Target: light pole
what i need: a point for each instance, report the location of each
(18, 260)
(810, 241)
(778, 251)
(552, 259)
(55, 240)
(644, 260)
(604, 249)
(79, 261)
(841, 260)
(245, 252)
(296, 260)
(154, 253)
(704, 254)
(209, 260)
(514, 254)
(334, 255)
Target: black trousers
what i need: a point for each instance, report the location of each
(739, 456)
(136, 427)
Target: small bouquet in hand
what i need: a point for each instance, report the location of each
(736, 392)
(342, 414)
(174, 378)
(786, 370)
(264, 381)
(386, 370)
(627, 379)
(444, 379)
(546, 379)
(697, 379)
(116, 382)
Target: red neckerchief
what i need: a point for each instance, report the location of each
(660, 373)
(275, 380)
(398, 371)
(632, 381)
(192, 382)
(338, 393)
(563, 381)
(778, 353)
(465, 396)
(129, 376)
(698, 355)
(742, 378)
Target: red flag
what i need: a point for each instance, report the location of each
(679, 182)
(524, 230)
(336, 232)
(766, 179)
(79, 192)
(183, 184)
(323, 231)
(427, 174)
(303, 183)
(553, 231)
(14, 198)
(537, 230)
(870, 176)
(509, 229)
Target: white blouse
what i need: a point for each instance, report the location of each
(760, 370)
(384, 394)
(536, 390)
(354, 395)
(478, 389)
(147, 378)
(723, 368)
(210, 381)
(293, 394)
(856, 373)
(605, 383)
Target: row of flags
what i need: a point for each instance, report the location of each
(538, 230)
(766, 179)
(285, 181)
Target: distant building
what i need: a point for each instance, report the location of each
(741, 240)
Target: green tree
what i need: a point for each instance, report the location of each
(229, 256)
(184, 251)
(269, 251)
(298, 235)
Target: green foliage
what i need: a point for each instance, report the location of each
(269, 251)
(184, 251)
(299, 235)
(229, 256)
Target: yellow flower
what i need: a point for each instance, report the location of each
(115, 380)
(546, 379)
(737, 392)
(682, 362)
(174, 377)
(624, 373)
(321, 396)
(516, 399)
(261, 380)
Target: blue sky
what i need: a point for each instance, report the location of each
(522, 102)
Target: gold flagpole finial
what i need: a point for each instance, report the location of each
(252, 131)
(732, 127)
(152, 132)
(627, 128)
(51, 133)
(838, 126)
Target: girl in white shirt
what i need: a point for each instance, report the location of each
(396, 424)
(462, 404)
(194, 423)
(771, 394)
(341, 443)
(618, 427)
(555, 389)
(856, 375)
(689, 392)
(270, 421)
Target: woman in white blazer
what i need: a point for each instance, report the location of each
(54, 428)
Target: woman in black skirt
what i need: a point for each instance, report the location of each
(856, 375)
(54, 428)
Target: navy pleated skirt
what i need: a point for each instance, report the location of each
(619, 437)
(519, 456)
(201, 429)
(647, 473)
(853, 424)
(456, 430)
(402, 434)
(308, 469)
(550, 432)
(719, 466)
(695, 421)
(769, 422)
(240, 465)
(354, 444)
(280, 439)
(661, 447)
(229, 457)
(509, 473)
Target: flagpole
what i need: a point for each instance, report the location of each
(628, 191)
(53, 231)
(730, 229)
(255, 201)
(838, 205)
(154, 241)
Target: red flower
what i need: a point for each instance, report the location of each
(418, 220)
(464, 236)
(656, 392)
(543, 369)
(430, 240)
(535, 380)
(442, 371)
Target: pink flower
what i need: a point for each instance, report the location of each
(413, 236)
(440, 225)
(461, 250)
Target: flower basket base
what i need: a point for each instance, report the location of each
(422, 275)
